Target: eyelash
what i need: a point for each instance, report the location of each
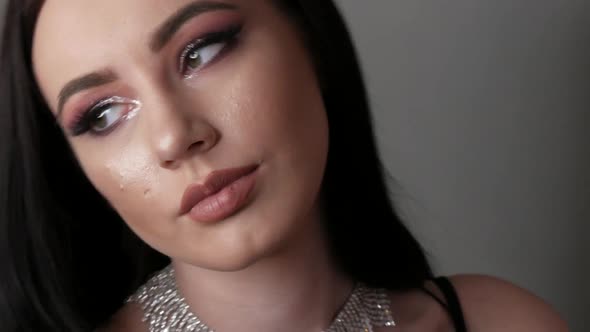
(227, 36)
(83, 121)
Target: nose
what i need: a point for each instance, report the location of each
(178, 132)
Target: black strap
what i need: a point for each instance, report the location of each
(434, 297)
(453, 305)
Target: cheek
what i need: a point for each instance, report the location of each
(284, 114)
(278, 102)
(126, 177)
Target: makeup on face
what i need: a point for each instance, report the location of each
(196, 43)
(104, 116)
(222, 193)
(166, 124)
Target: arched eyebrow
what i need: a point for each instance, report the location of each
(83, 83)
(160, 37)
(167, 29)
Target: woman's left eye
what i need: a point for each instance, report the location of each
(204, 50)
(199, 57)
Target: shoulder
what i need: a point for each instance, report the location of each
(127, 319)
(492, 304)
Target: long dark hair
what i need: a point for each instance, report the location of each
(68, 260)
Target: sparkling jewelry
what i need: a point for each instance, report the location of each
(166, 311)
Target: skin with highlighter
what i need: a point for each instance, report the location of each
(210, 128)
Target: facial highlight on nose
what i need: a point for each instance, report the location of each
(174, 147)
(177, 137)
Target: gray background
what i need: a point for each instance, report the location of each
(481, 108)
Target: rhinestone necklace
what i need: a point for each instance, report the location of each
(166, 311)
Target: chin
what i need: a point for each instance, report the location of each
(230, 261)
(236, 253)
(272, 225)
(234, 263)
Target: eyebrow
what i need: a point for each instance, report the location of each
(82, 83)
(159, 39)
(167, 29)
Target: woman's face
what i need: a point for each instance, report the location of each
(154, 95)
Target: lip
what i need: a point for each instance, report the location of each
(221, 194)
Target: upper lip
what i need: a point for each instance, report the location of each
(213, 183)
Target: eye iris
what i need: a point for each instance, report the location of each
(101, 121)
(194, 59)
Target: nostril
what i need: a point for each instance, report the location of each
(196, 146)
(169, 164)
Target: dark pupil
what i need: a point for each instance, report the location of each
(100, 121)
(194, 59)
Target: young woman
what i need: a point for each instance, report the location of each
(181, 165)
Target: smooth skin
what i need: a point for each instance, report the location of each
(254, 99)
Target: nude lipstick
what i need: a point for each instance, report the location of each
(221, 195)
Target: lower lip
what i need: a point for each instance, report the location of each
(226, 202)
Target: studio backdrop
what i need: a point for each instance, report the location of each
(482, 109)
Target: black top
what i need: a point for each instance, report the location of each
(452, 305)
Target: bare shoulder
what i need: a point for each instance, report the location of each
(127, 319)
(492, 304)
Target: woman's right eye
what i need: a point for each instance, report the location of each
(103, 117)
(106, 117)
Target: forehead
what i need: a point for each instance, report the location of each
(68, 23)
(73, 37)
(108, 17)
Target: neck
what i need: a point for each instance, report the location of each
(296, 289)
